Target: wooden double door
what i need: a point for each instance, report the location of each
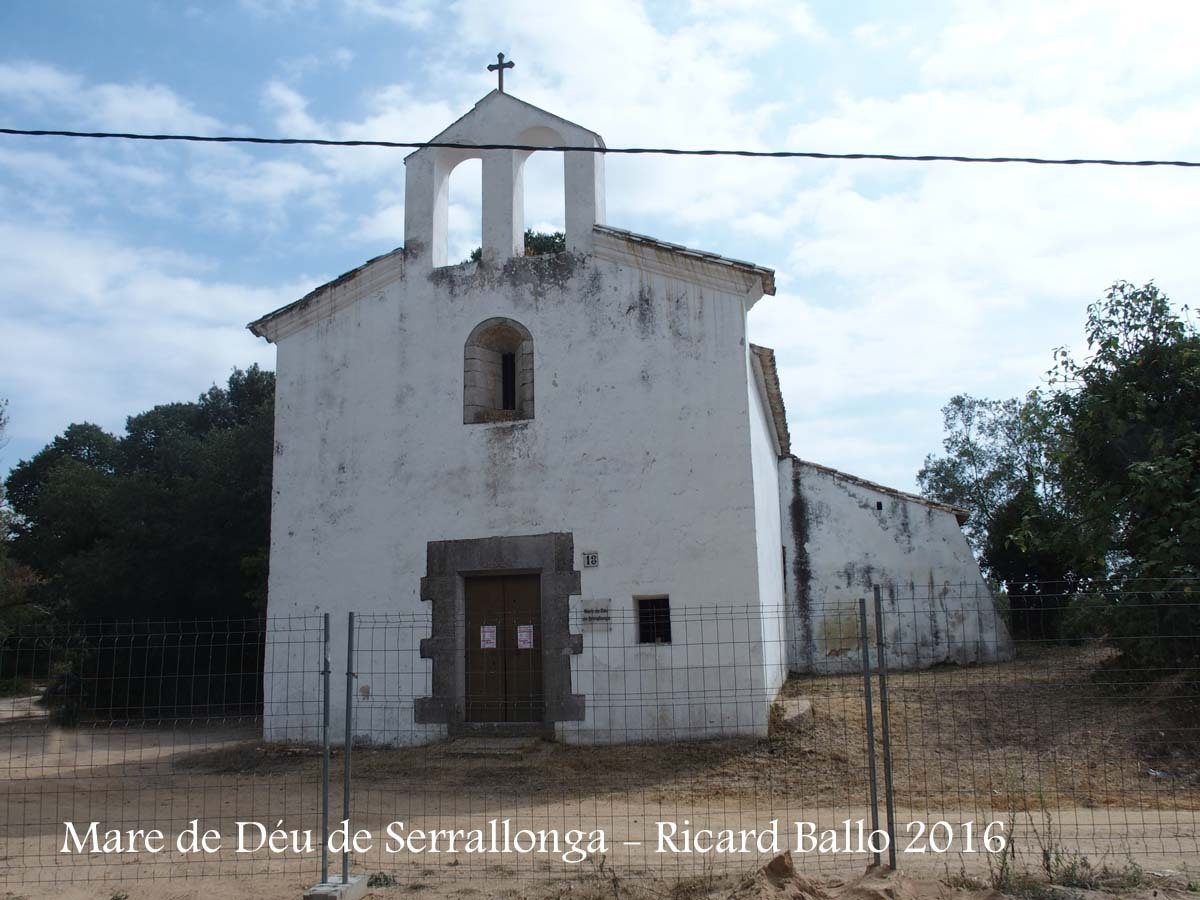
(504, 649)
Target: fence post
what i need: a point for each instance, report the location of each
(865, 647)
(885, 726)
(349, 739)
(325, 673)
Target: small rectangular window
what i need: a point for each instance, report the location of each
(508, 376)
(654, 620)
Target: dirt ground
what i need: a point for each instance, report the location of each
(1069, 764)
(778, 879)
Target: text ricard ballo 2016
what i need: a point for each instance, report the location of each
(575, 845)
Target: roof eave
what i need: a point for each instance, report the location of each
(764, 357)
(349, 286)
(445, 135)
(961, 515)
(714, 263)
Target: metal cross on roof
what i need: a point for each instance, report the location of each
(499, 66)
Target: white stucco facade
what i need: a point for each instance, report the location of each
(646, 430)
(850, 535)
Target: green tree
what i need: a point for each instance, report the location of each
(16, 579)
(1128, 423)
(991, 454)
(1000, 465)
(169, 520)
(1093, 484)
(537, 243)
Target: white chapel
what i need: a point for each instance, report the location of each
(572, 473)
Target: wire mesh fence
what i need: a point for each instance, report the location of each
(145, 735)
(670, 729)
(1045, 730)
(1085, 743)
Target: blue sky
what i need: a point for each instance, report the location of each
(128, 271)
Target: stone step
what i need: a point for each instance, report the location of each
(492, 746)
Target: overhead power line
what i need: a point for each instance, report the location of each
(657, 151)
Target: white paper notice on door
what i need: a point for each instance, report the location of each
(487, 637)
(524, 637)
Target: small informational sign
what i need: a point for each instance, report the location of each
(524, 637)
(487, 637)
(597, 615)
(591, 559)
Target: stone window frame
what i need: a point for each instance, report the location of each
(447, 565)
(483, 354)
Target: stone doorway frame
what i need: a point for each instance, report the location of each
(447, 565)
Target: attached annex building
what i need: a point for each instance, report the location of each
(579, 471)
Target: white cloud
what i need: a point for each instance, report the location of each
(905, 283)
(385, 224)
(43, 169)
(409, 13)
(109, 106)
(797, 16)
(35, 83)
(291, 110)
(274, 185)
(256, 190)
(275, 8)
(300, 66)
(96, 329)
(1097, 52)
(392, 112)
(151, 108)
(878, 35)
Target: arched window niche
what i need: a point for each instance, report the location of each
(498, 372)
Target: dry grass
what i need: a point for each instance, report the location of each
(1042, 731)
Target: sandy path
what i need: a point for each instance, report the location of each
(32, 834)
(14, 708)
